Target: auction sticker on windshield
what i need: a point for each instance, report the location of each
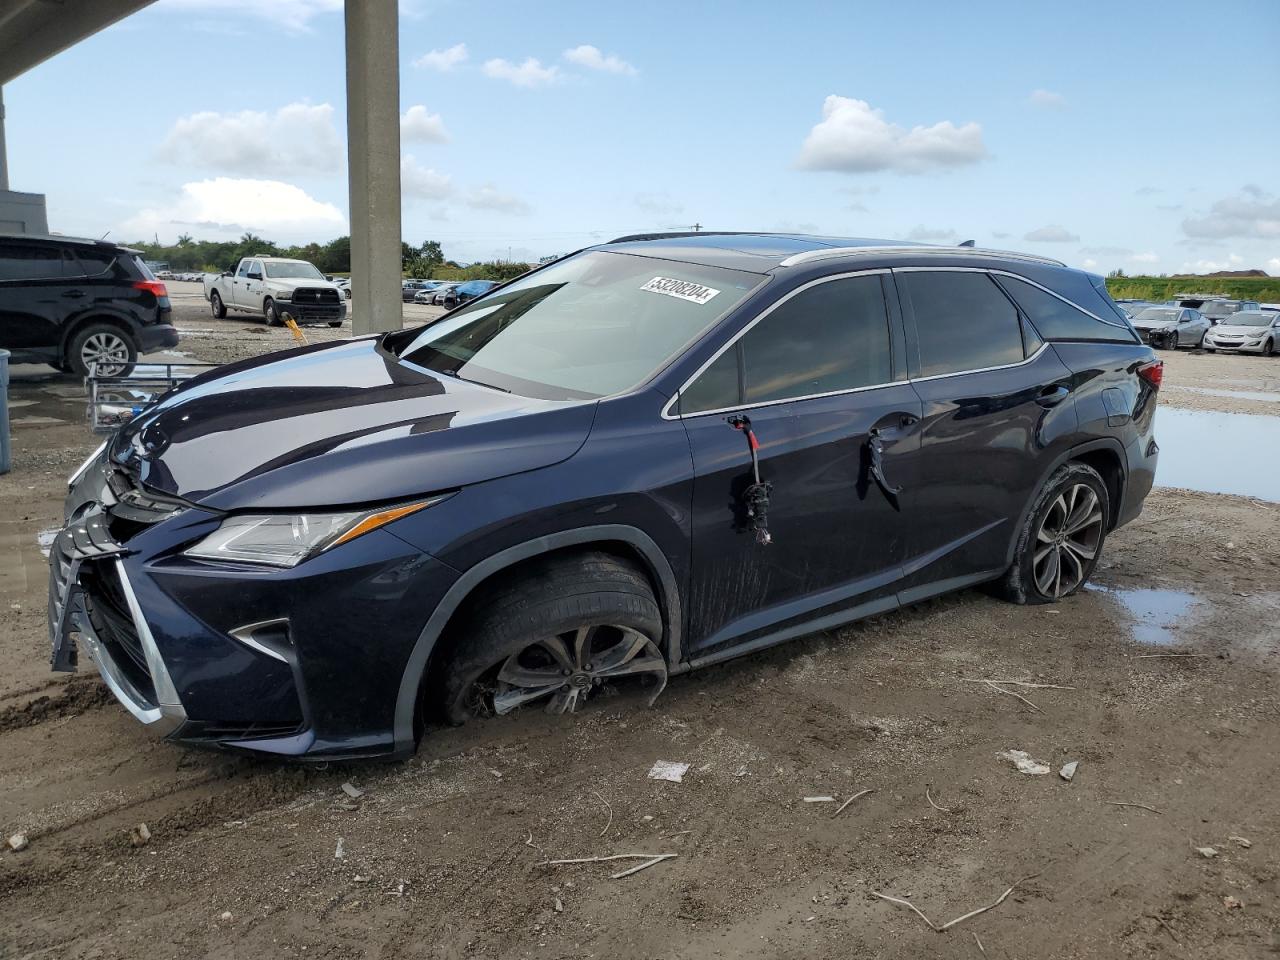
(681, 289)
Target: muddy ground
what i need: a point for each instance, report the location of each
(443, 856)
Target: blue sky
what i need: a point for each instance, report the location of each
(1096, 133)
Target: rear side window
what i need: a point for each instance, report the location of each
(30, 262)
(94, 262)
(963, 322)
(831, 337)
(1056, 319)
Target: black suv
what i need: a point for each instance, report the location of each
(72, 303)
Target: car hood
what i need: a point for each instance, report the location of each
(336, 424)
(1155, 324)
(1243, 331)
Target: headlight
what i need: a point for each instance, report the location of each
(283, 540)
(80, 470)
(284, 295)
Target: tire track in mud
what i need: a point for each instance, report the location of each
(76, 697)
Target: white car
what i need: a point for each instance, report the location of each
(1249, 331)
(1171, 327)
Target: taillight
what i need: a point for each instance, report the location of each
(151, 286)
(1153, 373)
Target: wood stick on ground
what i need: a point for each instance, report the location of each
(860, 793)
(1018, 683)
(644, 866)
(608, 807)
(1172, 656)
(1169, 929)
(616, 856)
(981, 948)
(1012, 694)
(1126, 803)
(951, 923)
(932, 804)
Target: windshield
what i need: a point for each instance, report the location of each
(590, 326)
(1220, 308)
(1161, 314)
(293, 269)
(1250, 320)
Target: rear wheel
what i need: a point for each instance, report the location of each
(552, 638)
(105, 348)
(217, 307)
(1060, 542)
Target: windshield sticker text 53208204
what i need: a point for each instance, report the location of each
(680, 289)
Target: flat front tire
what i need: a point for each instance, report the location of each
(551, 639)
(1061, 540)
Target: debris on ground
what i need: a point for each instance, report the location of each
(226, 915)
(650, 859)
(1241, 841)
(339, 853)
(140, 835)
(1068, 770)
(1207, 852)
(840, 809)
(18, 842)
(1025, 763)
(951, 923)
(821, 799)
(669, 770)
(1126, 803)
(352, 791)
(933, 804)
(559, 905)
(1231, 903)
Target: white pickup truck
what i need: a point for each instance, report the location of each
(273, 286)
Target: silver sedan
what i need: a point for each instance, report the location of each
(1249, 331)
(1171, 326)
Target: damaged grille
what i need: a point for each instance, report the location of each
(108, 611)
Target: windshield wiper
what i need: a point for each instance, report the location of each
(481, 383)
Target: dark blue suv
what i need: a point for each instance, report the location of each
(646, 457)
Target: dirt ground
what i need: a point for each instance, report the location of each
(1165, 692)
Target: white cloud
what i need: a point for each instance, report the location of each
(417, 124)
(1251, 213)
(931, 233)
(1090, 264)
(488, 197)
(1051, 234)
(293, 15)
(1273, 266)
(231, 206)
(297, 138)
(1233, 262)
(658, 204)
(423, 183)
(443, 60)
(591, 58)
(1107, 251)
(854, 137)
(1047, 100)
(530, 73)
(1148, 257)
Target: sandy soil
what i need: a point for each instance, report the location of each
(444, 856)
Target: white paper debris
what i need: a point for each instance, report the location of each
(668, 770)
(339, 853)
(819, 799)
(1024, 762)
(1068, 770)
(352, 791)
(1207, 852)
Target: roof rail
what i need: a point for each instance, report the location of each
(675, 234)
(809, 256)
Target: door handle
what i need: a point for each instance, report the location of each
(1052, 396)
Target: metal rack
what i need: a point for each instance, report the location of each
(116, 398)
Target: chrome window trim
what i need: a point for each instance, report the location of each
(808, 256)
(675, 398)
(1000, 366)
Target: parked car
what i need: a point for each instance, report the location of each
(1171, 327)
(651, 456)
(1248, 331)
(344, 284)
(465, 292)
(1217, 311)
(273, 286)
(409, 288)
(428, 292)
(74, 303)
(442, 291)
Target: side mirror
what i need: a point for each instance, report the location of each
(227, 273)
(254, 275)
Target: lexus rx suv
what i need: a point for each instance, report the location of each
(76, 303)
(646, 457)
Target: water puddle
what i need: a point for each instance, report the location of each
(1234, 394)
(1156, 613)
(1215, 452)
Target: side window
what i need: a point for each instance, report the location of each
(92, 263)
(1056, 319)
(30, 262)
(963, 321)
(245, 267)
(831, 337)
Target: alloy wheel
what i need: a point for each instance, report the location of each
(108, 351)
(1067, 541)
(565, 668)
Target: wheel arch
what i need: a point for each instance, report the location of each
(628, 540)
(1106, 455)
(74, 326)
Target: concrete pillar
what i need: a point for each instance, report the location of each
(373, 163)
(4, 157)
